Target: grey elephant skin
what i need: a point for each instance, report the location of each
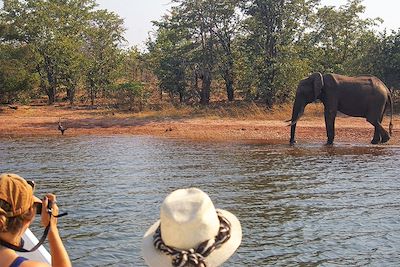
(361, 96)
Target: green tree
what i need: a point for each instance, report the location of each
(53, 28)
(341, 37)
(224, 24)
(387, 58)
(272, 44)
(195, 16)
(194, 44)
(133, 88)
(71, 65)
(133, 94)
(169, 57)
(71, 39)
(16, 72)
(102, 51)
(16, 63)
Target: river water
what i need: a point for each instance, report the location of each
(307, 205)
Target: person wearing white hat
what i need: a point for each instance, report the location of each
(191, 232)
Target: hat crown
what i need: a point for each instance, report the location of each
(16, 192)
(188, 218)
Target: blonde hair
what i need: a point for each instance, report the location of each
(12, 224)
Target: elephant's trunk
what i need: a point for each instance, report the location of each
(298, 110)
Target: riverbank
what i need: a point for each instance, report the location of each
(219, 124)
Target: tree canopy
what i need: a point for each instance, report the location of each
(201, 50)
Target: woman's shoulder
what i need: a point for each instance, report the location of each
(29, 263)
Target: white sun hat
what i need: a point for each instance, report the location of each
(191, 232)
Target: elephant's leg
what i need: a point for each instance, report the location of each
(330, 117)
(377, 137)
(380, 134)
(384, 134)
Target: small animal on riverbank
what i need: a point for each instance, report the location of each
(362, 96)
(14, 107)
(61, 128)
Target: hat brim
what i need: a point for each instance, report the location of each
(36, 199)
(155, 258)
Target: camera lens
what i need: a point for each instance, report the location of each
(39, 208)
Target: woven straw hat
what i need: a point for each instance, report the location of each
(188, 218)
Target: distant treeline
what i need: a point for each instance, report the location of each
(201, 50)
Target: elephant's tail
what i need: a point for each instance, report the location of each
(391, 112)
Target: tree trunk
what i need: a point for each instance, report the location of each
(228, 72)
(205, 88)
(229, 84)
(71, 95)
(229, 90)
(92, 95)
(131, 102)
(181, 97)
(71, 92)
(51, 93)
(51, 89)
(92, 91)
(51, 79)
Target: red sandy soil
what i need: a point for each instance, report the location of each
(31, 121)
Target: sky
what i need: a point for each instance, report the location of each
(138, 14)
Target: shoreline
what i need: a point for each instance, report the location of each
(32, 121)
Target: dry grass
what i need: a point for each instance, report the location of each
(230, 110)
(215, 110)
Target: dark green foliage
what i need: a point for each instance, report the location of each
(102, 53)
(342, 38)
(203, 49)
(133, 94)
(388, 59)
(194, 47)
(16, 73)
(169, 59)
(69, 39)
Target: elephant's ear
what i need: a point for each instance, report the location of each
(318, 83)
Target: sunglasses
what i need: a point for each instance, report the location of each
(32, 184)
(37, 205)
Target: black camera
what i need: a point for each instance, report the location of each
(39, 207)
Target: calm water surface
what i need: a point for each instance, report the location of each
(304, 206)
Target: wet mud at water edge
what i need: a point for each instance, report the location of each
(307, 205)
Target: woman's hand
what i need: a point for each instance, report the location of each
(46, 218)
(59, 256)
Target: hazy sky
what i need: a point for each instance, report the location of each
(138, 14)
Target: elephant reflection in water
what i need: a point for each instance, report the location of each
(361, 96)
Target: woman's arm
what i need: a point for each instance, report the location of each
(59, 255)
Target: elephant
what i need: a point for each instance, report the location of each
(361, 96)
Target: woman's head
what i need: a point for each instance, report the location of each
(16, 202)
(191, 232)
